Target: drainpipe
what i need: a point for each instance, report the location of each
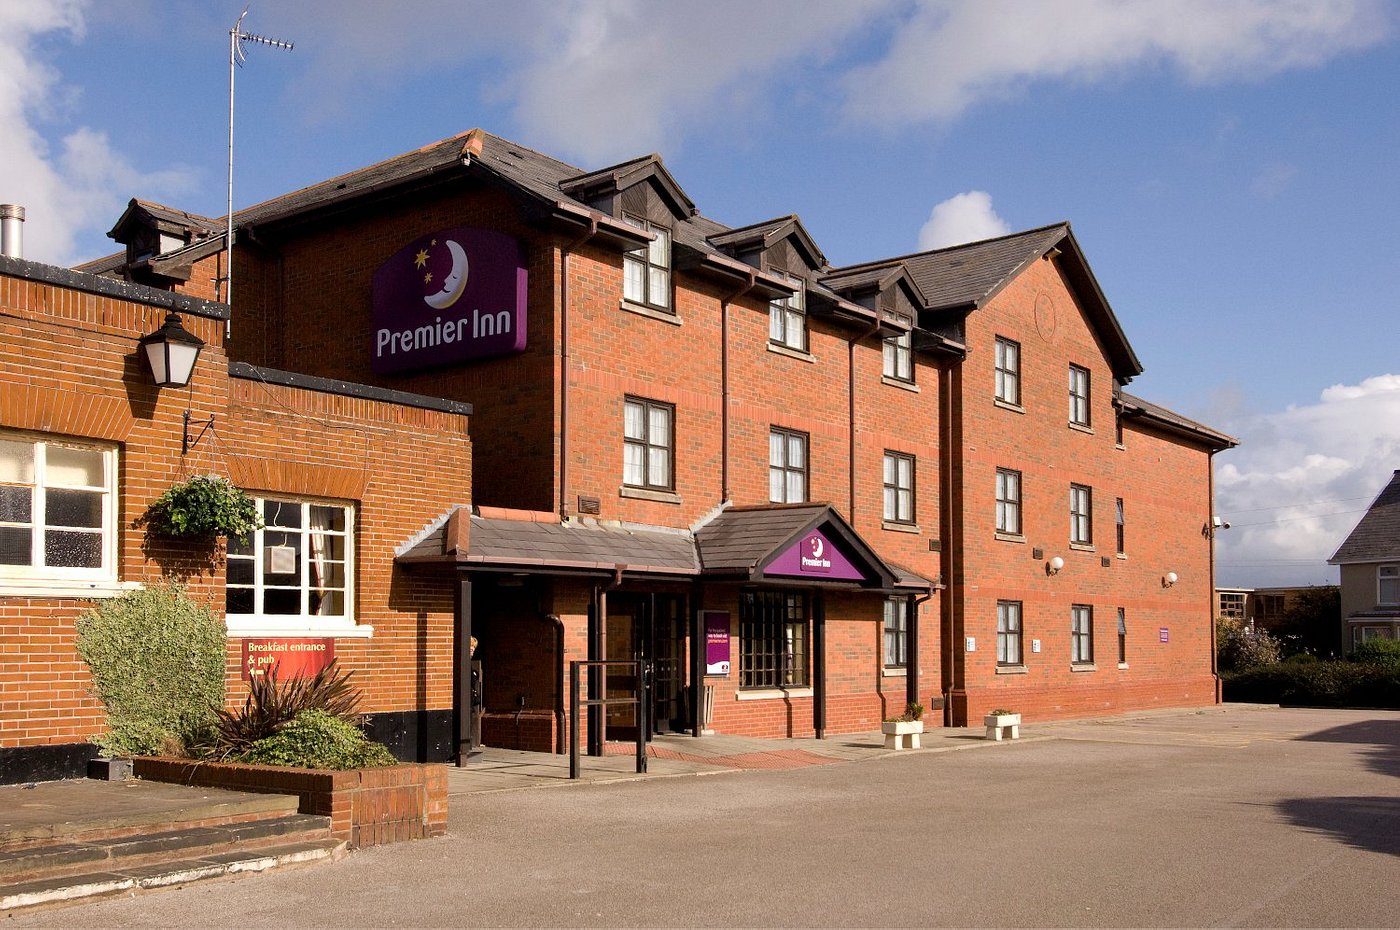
(912, 660)
(559, 746)
(1210, 522)
(565, 254)
(950, 529)
(598, 651)
(724, 385)
(851, 410)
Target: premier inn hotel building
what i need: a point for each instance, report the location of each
(798, 496)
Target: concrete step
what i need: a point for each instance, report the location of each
(174, 871)
(85, 853)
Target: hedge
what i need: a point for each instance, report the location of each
(1317, 684)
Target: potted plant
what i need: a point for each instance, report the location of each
(904, 728)
(1002, 722)
(204, 506)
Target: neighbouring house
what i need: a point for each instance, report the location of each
(88, 440)
(798, 495)
(1370, 565)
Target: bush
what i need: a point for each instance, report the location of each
(1378, 652)
(1301, 658)
(1239, 649)
(315, 739)
(1317, 684)
(272, 704)
(157, 661)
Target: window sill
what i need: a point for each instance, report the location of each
(1082, 428)
(13, 587)
(647, 494)
(1082, 547)
(1007, 405)
(900, 383)
(1010, 537)
(650, 312)
(798, 354)
(1122, 664)
(244, 627)
(894, 527)
(1120, 446)
(1083, 667)
(1012, 670)
(894, 672)
(1122, 555)
(772, 694)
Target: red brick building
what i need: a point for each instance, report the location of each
(87, 441)
(804, 494)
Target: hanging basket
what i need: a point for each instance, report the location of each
(204, 507)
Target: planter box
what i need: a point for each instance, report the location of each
(367, 807)
(1003, 725)
(899, 732)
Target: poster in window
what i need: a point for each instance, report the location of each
(717, 642)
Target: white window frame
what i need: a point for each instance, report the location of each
(787, 316)
(1008, 371)
(898, 478)
(896, 632)
(1387, 576)
(650, 268)
(898, 363)
(303, 623)
(37, 579)
(1079, 396)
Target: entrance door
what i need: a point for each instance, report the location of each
(650, 627)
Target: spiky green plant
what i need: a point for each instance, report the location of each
(272, 704)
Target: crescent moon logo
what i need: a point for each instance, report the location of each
(454, 283)
(817, 547)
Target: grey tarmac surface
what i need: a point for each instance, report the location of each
(1235, 816)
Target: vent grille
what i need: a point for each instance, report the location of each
(590, 505)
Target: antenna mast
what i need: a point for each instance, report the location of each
(236, 55)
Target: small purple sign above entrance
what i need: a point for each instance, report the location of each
(814, 556)
(449, 297)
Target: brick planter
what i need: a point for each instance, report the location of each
(367, 807)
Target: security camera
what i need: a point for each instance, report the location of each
(1219, 524)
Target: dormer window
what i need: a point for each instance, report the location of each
(646, 272)
(787, 318)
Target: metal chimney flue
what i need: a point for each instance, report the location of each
(11, 230)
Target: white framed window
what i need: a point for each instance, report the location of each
(899, 357)
(647, 444)
(787, 317)
(1008, 501)
(1079, 396)
(1008, 365)
(1081, 515)
(296, 573)
(1388, 584)
(787, 466)
(58, 512)
(896, 632)
(646, 272)
(1009, 633)
(898, 488)
(1081, 634)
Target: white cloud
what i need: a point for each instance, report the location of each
(965, 217)
(77, 183)
(1300, 481)
(950, 55)
(1272, 180)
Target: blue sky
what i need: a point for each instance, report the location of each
(1228, 165)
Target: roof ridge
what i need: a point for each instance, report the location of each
(954, 248)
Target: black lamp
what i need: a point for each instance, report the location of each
(171, 352)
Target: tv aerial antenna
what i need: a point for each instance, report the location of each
(237, 54)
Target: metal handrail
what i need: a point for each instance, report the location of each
(639, 700)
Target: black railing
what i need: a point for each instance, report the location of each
(638, 700)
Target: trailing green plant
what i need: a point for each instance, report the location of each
(157, 660)
(1000, 712)
(1378, 652)
(272, 704)
(205, 506)
(315, 739)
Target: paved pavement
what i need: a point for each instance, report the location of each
(1234, 816)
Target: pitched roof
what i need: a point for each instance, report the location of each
(764, 234)
(1376, 537)
(165, 218)
(1161, 417)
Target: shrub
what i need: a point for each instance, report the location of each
(1378, 652)
(1317, 684)
(315, 739)
(911, 713)
(157, 661)
(1239, 649)
(1301, 658)
(272, 704)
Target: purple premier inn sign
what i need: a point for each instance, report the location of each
(814, 556)
(448, 297)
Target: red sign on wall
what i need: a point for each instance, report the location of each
(292, 658)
